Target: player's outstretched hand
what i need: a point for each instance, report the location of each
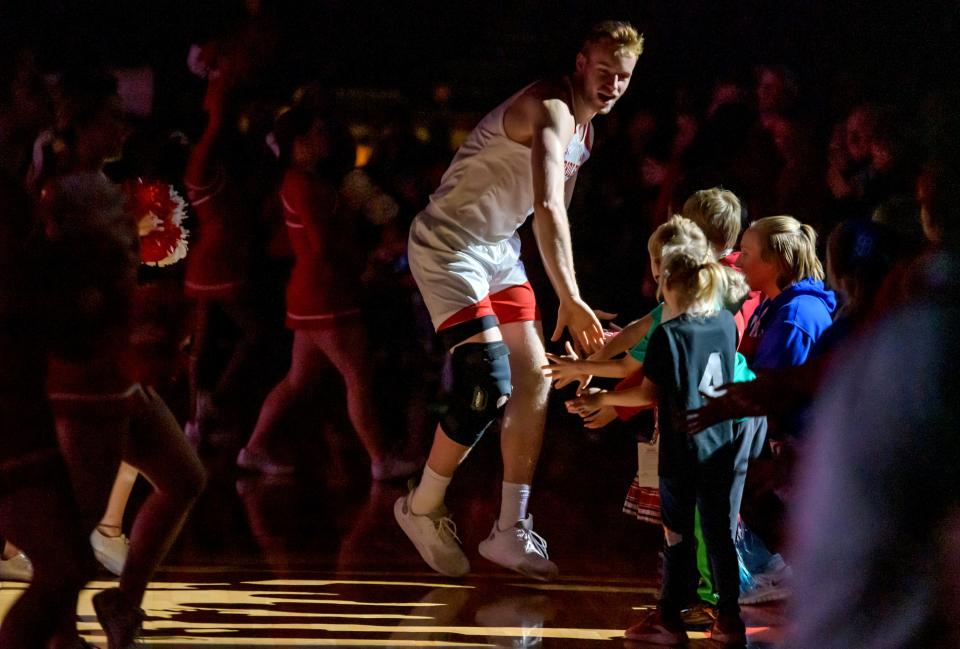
(610, 329)
(584, 326)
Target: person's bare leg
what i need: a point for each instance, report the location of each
(90, 442)
(247, 352)
(157, 447)
(306, 365)
(40, 516)
(346, 347)
(111, 524)
(521, 433)
(421, 514)
(91, 446)
(110, 546)
(512, 542)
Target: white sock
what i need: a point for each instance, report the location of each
(513, 504)
(428, 496)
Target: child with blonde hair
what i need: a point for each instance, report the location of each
(718, 213)
(634, 337)
(643, 498)
(690, 354)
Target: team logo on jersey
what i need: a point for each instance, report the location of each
(577, 153)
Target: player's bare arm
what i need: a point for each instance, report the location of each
(550, 124)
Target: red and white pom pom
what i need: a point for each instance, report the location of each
(158, 211)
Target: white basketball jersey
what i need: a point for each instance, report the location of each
(487, 192)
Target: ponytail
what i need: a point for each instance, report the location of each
(792, 246)
(710, 282)
(700, 283)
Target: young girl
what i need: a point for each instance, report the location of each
(323, 307)
(690, 353)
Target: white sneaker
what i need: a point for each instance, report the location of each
(770, 586)
(434, 536)
(521, 549)
(16, 568)
(111, 551)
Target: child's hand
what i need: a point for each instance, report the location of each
(563, 370)
(586, 404)
(600, 417)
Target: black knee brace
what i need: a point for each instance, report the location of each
(481, 387)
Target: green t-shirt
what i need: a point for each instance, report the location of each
(742, 373)
(639, 351)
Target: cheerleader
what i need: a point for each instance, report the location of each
(322, 295)
(218, 267)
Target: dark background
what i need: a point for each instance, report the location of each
(897, 51)
(385, 61)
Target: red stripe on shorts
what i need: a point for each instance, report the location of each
(512, 304)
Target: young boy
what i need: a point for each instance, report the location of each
(717, 211)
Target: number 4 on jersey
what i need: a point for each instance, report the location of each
(712, 377)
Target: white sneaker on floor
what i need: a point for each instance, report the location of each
(521, 549)
(393, 468)
(770, 586)
(16, 568)
(434, 536)
(111, 551)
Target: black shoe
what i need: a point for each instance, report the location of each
(120, 618)
(729, 631)
(699, 617)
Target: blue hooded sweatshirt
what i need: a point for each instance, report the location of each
(788, 325)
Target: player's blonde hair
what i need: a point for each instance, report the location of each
(717, 211)
(623, 34)
(791, 245)
(701, 284)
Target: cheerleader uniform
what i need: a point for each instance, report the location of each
(92, 368)
(324, 286)
(219, 259)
